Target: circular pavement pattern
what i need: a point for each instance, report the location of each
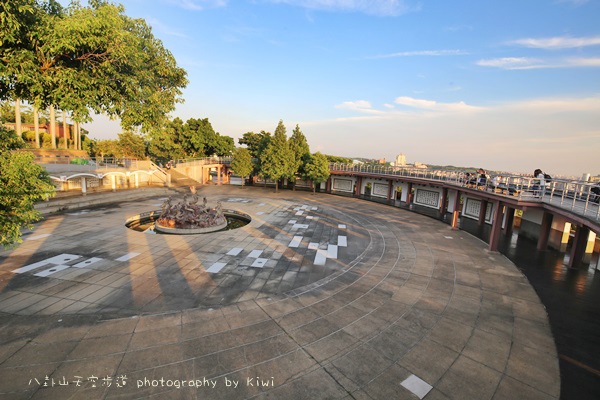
(318, 297)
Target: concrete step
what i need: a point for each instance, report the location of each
(64, 203)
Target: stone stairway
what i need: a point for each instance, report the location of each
(179, 179)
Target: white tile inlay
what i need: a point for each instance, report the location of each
(320, 257)
(235, 251)
(36, 237)
(128, 256)
(260, 213)
(313, 246)
(261, 204)
(342, 226)
(216, 267)
(56, 260)
(259, 262)
(332, 251)
(295, 241)
(417, 386)
(255, 253)
(448, 237)
(52, 270)
(292, 221)
(309, 217)
(87, 262)
(300, 213)
(299, 226)
(342, 241)
(314, 208)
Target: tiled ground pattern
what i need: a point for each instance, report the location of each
(410, 309)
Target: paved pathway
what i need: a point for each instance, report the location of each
(318, 297)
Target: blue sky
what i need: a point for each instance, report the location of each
(506, 85)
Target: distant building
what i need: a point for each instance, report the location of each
(400, 160)
(381, 161)
(420, 165)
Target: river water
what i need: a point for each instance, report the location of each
(572, 300)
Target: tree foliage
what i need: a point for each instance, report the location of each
(241, 163)
(300, 149)
(194, 138)
(22, 183)
(276, 159)
(317, 169)
(338, 159)
(84, 58)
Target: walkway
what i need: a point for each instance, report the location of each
(318, 297)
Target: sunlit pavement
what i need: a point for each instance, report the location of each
(318, 297)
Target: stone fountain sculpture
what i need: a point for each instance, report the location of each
(189, 217)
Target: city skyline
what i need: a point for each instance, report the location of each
(507, 86)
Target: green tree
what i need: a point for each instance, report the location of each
(241, 163)
(338, 159)
(317, 169)
(131, 145)
(256, 143)
(301, 151)
(22, 183)
(276, 159)
(84, 58)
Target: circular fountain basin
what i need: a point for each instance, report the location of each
(146, 222)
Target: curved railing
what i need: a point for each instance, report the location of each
(576, 196)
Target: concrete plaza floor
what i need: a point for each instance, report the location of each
(319, 297)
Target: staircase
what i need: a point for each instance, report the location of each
(178, 179)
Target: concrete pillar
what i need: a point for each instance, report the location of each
(482, 212)
(456, 211)
(496, 226)
(409, 195)
(578, 246)
(544, 231)
(509, 221)
(136, 179)
(53, 126)
(113, 183)
(443, 206)
(219, 178)
(566, 234)
(390, 190)
(589, 248)
(18, 129)
(36, 127)
(83, 186)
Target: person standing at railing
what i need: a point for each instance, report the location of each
(481, 178)
(539, 183)
(596, 193)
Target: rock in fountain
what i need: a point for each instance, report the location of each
(188, 217)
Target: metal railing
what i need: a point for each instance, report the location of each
(579, 197)
(194, 162)
(91, 163)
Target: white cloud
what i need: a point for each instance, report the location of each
(559, 42)
(511, 63)
(584, 62)
(518, 63)
(359, 105)
(390, 8)
(199, 5)
(559, 134)
(434, 105)
(426, 53)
